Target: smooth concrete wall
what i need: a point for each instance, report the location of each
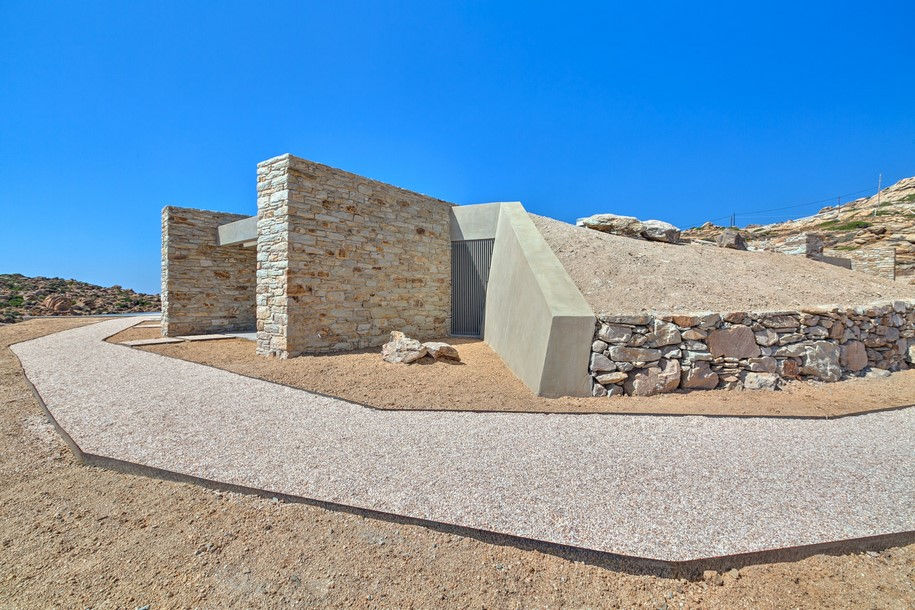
(536, 318)
(477, 221)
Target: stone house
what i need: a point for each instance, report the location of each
(335, 261)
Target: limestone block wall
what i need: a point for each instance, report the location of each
(803, 244)
(874, 261)
(205, 287)
(343, 260)
(648, 354)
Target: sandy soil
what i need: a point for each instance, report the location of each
(77, 536)
(482, 382)
(620, 275)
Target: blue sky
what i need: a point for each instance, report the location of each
(678, 111)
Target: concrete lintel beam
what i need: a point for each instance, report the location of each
(238, 232)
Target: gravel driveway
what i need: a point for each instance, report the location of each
(670, 488)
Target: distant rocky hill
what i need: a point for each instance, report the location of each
(864, 230)
(43, 296)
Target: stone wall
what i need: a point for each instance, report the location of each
(206, 287)
(343, 260)
(874, 261)
(647, 354)
(802, 244)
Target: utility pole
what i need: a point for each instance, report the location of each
(879, 183)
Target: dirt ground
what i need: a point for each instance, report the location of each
(619, 275)
(482, 382)
(74, 536)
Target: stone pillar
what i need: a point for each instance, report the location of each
(342, 260)
(273, 256)
(206, 288)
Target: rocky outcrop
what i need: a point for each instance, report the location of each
(630, 226)
(876, 234)
(57, 303)
(648, 354)
(22, 296)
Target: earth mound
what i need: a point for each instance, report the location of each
(618, 275)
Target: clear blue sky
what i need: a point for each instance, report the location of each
(678, 111)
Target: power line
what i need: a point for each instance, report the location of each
(837, 199)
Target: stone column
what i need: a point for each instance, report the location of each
(273, 253)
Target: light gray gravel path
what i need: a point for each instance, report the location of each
(670, 488)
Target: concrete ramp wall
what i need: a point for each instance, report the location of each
(536, 318)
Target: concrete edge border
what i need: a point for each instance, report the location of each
(497, 411)
(631, 564)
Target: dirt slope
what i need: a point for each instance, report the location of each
(621, 275)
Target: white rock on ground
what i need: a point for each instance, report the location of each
(441, 350)
(630, 226)
(402, 349)
(658, 230)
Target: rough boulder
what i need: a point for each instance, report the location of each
(441, 351)
(731, 238)
(630, 226)
(402, 349)
(57, 303)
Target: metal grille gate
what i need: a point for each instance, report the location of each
(470, 261)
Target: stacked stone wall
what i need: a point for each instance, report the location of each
(649, 354)
(343, 260)
(874, 261)
(206, 288)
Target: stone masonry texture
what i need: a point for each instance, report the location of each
(206, 287)
(654, 353)
(874, 261)
(342, 260)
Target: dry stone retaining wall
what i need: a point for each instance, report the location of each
(206, 288)
(648, 354)
(343, 260)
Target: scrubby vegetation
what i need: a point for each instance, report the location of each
(838, 225)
